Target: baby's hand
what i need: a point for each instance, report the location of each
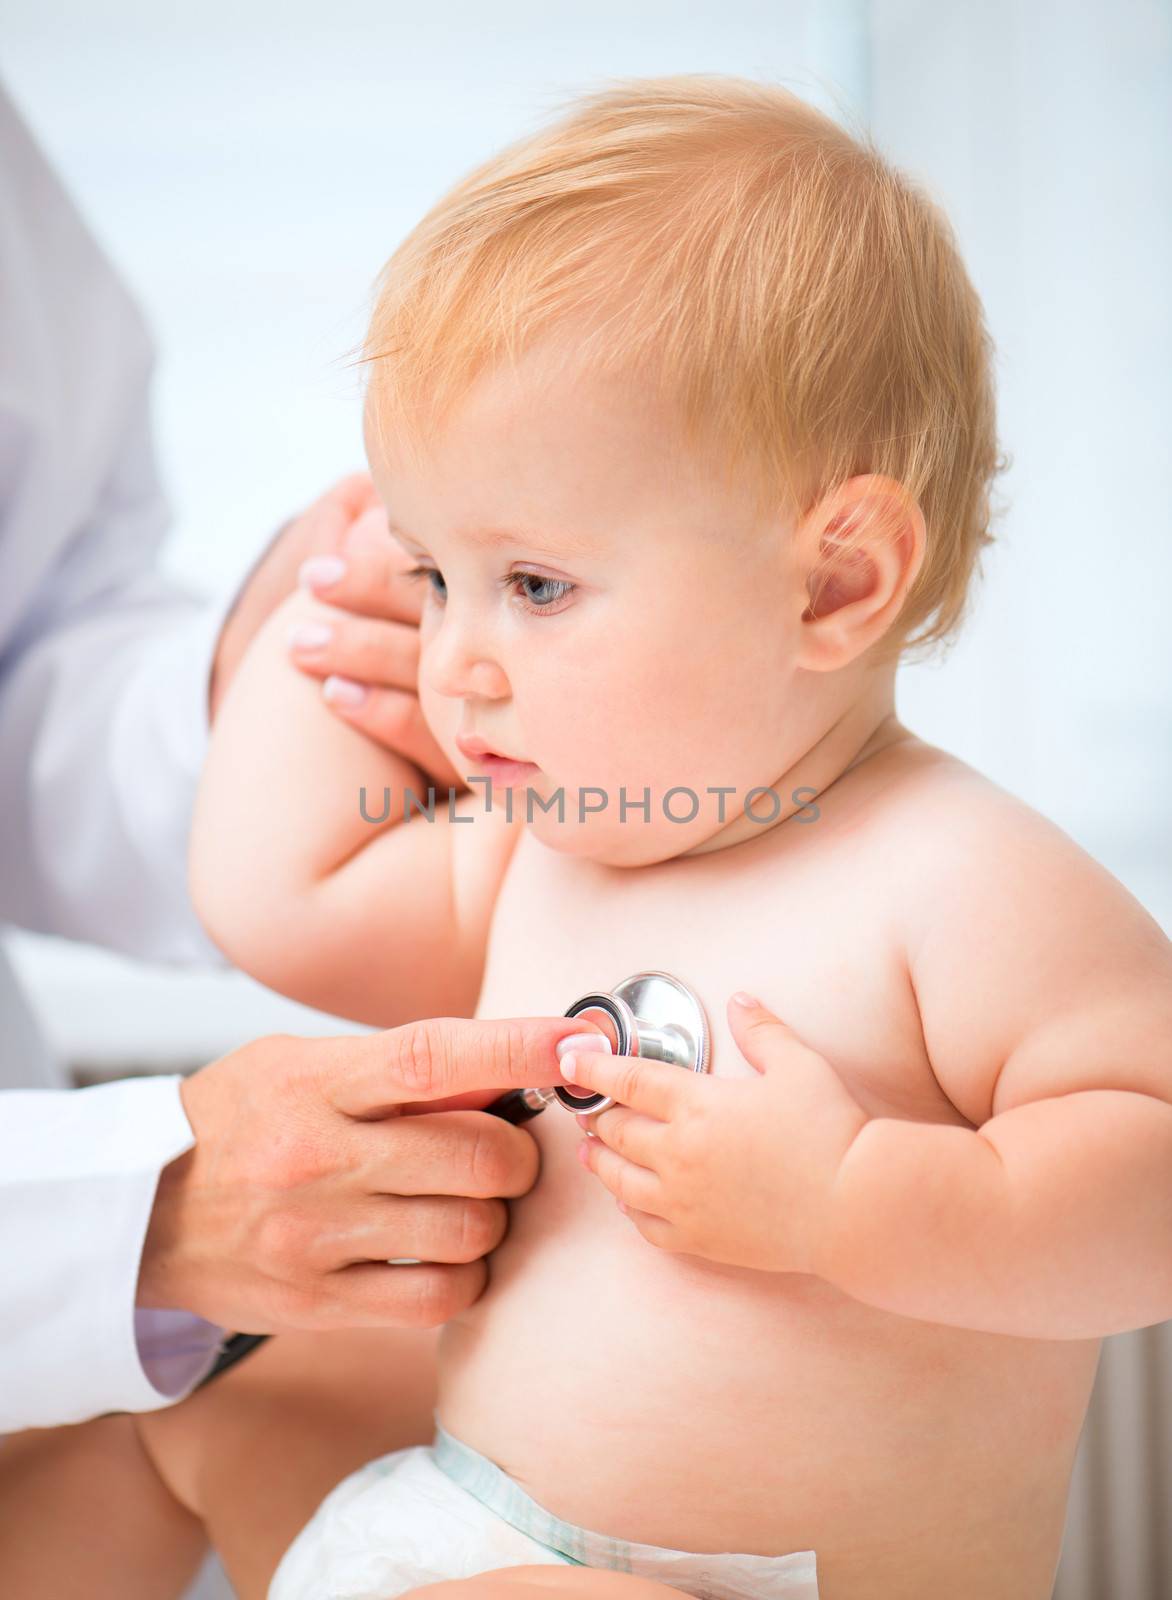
(734, 1169)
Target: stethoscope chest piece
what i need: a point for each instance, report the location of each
(650, 1014)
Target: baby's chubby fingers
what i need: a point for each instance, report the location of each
(628, 1133)
(654, 1087)
(813, 1094)
(632, 1185)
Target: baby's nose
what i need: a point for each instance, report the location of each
(457, 673)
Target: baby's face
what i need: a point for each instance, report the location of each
(600, 607)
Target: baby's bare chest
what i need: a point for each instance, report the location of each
(710, 1374)
(818, 947)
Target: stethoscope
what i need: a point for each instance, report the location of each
(650, 1014)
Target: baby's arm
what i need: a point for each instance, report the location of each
(1045, 993)
(382, 922)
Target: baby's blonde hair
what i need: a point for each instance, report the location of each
(801, 302)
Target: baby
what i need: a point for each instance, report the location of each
(683, 411)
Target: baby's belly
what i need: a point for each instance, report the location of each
(673, 1401)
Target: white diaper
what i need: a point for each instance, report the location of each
(443, 1510)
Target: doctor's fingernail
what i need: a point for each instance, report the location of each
(749, 1001)
(343, 691)
(309, 635)
(320, 572)
(583, 1041)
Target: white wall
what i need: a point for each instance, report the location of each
(1046, 129)
(250, 166)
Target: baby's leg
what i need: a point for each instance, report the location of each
(255, 1453)
(85, 1517)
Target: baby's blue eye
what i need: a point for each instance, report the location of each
(545, 591)
(536, 592)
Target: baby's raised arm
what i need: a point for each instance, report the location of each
(381, 921)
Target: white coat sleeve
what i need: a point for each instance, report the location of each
(80, 1170)
(103, 730)
(104, 660)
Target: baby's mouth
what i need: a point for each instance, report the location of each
(482, 761)
(509, 774)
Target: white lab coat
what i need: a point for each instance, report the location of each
(103, 723)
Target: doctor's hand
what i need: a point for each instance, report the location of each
(319, 1162)
(734, 1169)
(366, 651)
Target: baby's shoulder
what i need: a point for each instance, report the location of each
(963, 844)
(1020, 947)
(946, 820)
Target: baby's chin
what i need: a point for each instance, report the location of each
(585, 829)
(610, 843)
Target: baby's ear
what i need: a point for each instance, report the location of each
(843, 573)
(870, 539)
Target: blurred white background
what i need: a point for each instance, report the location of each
(249, 166)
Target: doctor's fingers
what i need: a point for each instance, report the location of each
(371, 650)
(370, 670)
(377, 1294)
(346, 500)
(462, 1153)
(433, 1227)
(394, 719)
(372, 1076)
(366, 572)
